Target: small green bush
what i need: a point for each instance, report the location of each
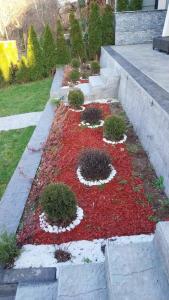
(95, 67)
(84, 75)
(8, 249)
(59, 203)
(74, 75)
(114, 128)
(75, 63)
(76, 98)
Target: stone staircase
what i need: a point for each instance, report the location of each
(103, 86)
(135, 269)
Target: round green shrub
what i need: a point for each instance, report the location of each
(114, 128)
(76, 98)
(75, 63)
(95, 67)
(59, 203)
(74, 75)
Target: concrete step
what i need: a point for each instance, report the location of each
(41, 291)
(161, 243)
(109, 76)
(134, 272)
(96, 81)
(82, 282)
(87, 91)
(8, 291)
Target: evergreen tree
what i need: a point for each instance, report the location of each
(49, 50)
(136, 4)
(22, 74)
(122, 5)
(2, 81)
(76, 40)
(62, 51)
(34, 56)
(95, 31)
(108, 30)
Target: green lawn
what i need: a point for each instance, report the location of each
(12, 145)
(24, 98)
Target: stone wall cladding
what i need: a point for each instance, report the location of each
(147, 107)
(138, 27)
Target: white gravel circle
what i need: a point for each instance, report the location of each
(96, 182)
(115, 143)
(45, 226)
(101, 123)
(78, 110)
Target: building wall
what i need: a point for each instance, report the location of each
(148, 4)
(139, 26)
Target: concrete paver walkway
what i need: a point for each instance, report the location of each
(19, 121)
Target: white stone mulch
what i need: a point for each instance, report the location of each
(45, 226)
(103, 101)
(122, 141)
(36, 256)
(96, 182)
(77, 110)
(83, 123)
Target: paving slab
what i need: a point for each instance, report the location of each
(19, 121)
(46, 291)
(55, 91)
(134, 272)
(82, 282)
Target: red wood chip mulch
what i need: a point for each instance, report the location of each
(115, 209)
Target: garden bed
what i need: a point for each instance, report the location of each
(129, 204)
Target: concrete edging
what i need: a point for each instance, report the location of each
(14, 199)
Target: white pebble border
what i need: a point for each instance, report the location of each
(96, 182)
(45, 226)
(103, 101)
(101, 123)
(36, 256)
(77, 110)
(115, 143)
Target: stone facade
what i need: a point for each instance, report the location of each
(138, 27)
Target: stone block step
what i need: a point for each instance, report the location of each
(109, 76)
(96, 81)
(82, 282)
(85, 88)
(8, 291)
(134, 272)
(41, 291)
(161, 243)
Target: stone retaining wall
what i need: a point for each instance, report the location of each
(139, 26)
(147, 107)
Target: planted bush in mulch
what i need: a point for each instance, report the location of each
(114, 209)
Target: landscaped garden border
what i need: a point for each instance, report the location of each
(13, 201)
(127, 186)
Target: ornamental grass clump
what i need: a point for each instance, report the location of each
(76, 98)
(9, 249)
(114, 128)
(59, 204)
(95, 164)
(74, 75)
(92, 116)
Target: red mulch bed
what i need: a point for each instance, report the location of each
(117, 208)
